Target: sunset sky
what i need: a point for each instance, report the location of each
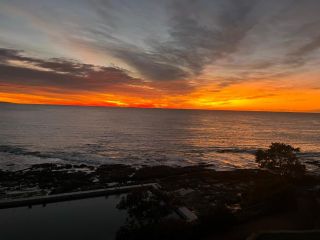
(214, 54)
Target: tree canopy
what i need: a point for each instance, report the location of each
(282, 159)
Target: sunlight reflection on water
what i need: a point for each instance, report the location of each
(93, 135)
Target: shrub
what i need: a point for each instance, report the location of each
(282, 159)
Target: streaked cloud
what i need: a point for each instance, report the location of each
(161, 51)
(61, 73)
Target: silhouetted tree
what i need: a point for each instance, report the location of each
(145, 211)
(282, 159)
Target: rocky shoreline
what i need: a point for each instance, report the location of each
(221, 198)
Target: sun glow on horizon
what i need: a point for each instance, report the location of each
(226, 58)
(234, 98)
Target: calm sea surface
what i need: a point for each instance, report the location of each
(92, 218)
(35, 134)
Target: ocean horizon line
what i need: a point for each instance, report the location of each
(156, 108)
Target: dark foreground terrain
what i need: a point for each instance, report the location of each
(227, 205)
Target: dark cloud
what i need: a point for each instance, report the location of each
(62, 74)
(176, 40)
(9, 54)
(201, 33)
(192, 43)
(151, 65)
(53, 64)
(299, 57)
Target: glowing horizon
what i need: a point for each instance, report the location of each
(236, 55)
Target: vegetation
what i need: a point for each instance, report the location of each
(146, 213)
(282, 159)
(223, 201)
(143, 207)
(150, 217)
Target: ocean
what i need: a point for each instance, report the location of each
(223, 140)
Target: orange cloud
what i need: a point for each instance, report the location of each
(233, 98)
(58, 81)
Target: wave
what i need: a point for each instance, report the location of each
(232, 150)
(47, 156)
(194, 156)
(21, 151)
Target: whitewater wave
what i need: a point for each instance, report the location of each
(220, 158)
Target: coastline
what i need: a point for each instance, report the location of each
(232, 199)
